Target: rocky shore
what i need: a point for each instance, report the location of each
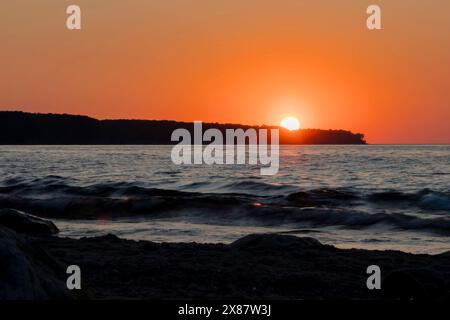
(266, 266)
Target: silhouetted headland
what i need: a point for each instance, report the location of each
(36, 128)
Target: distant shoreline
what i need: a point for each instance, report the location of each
(21, 128)
(323, 144)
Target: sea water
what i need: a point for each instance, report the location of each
(364, 196)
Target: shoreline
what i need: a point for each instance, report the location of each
(265, 266)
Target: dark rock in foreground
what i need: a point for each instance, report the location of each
(273, 242)
(254, 267)
(25, 223)
(27, 272)
(258, 266)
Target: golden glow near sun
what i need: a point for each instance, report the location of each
(290, 123)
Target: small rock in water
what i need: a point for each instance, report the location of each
(26, 223)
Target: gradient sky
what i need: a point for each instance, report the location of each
(246, 61)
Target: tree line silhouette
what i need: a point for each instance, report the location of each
(18, 127)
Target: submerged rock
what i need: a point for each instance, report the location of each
(26, 223)
(27, 272)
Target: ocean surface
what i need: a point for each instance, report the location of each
(365, 196)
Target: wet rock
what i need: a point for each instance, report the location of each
(26, 223)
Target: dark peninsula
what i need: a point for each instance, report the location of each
(21, 128)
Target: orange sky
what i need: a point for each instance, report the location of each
(246, 61)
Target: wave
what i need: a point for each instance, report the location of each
(255, 188)
(425, 199)
(54, 198)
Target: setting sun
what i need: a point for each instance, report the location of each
(290, 123)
